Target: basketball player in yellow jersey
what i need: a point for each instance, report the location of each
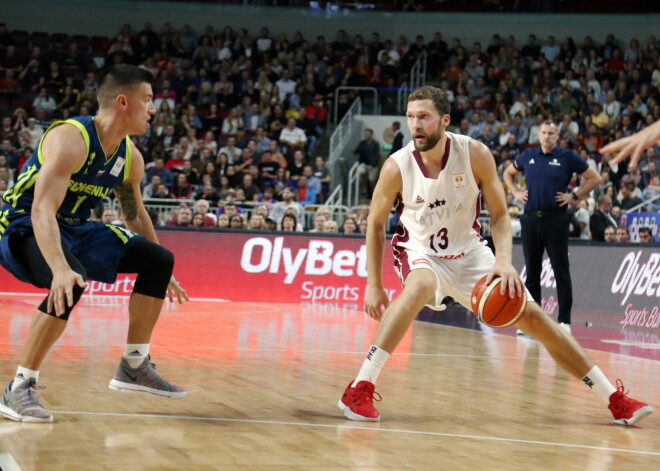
(434, 183)
(46, 239)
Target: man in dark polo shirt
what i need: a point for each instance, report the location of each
(548, 170)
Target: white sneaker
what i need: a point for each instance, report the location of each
(566, 327)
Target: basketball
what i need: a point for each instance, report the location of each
(495, 309)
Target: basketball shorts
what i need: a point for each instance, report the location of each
(455, 277)
(99, 247)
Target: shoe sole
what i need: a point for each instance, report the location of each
(637, 416)
(349, 414)
(13, 415)
(139, 389)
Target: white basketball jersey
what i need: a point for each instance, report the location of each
(438, 217)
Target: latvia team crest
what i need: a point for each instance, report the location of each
(459, 181)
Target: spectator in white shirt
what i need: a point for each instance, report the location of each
(264, 42)
(293, 136)
(35, 131)
(44, 102)
(612, 107)
(285, 85)
(233, 153)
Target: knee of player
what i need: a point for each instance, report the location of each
(163, 261)
(534, 316)
(421, 286)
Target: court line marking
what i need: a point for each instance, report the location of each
(379, 429)
(8, 463)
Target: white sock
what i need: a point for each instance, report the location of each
(135, 353)
(597, 381)
(372, 365)
(23, 374)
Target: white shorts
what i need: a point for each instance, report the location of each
(456, 277)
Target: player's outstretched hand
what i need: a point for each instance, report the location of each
(175, 289)
(375, 301)
(633, 145)
(61, 290)
(511, 281)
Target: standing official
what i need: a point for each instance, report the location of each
(548, 170)
(397, 143)
(368, 152)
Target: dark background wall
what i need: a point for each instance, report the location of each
(105, 18)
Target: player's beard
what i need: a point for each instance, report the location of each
(431, 141)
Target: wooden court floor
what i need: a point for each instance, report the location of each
(263, 381)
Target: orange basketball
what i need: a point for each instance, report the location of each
(495, 309)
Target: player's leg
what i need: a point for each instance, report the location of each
(570, 356)
(21, 400)
(563, 348)
(419, 288)
(555, 235)
(154, 265)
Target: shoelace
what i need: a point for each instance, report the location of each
(365, 395)
(31, 396)
(620, 389)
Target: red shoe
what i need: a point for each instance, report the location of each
(626, 410)
(358, 402)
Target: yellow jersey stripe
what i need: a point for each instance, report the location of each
(119, 233)
(4, 223)
(129, 157)
(25, 180)
(80, 127)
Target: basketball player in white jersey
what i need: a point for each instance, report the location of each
(435, 183)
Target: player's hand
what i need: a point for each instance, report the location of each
(633, 145)
(511, 281)
(61, 290)
(520, 195)
(375, 301)
(563, 198)
(175, 289)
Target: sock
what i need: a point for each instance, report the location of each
(23, 374)
(135, 353)
(372, 365)
(597, 381)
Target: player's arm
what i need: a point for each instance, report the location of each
(510, 180)
(136, 217)
(64, 151)
(388, 187)
(130, 200)
(483, 168)
(591, 180)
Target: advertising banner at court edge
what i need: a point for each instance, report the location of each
(613, 286)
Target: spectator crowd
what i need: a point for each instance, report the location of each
(242, 117)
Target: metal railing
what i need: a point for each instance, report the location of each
(166, 208)
(353, 185)
(336, 197)
(416, 79)
(343, 130)
(371, 89)
(650, 203)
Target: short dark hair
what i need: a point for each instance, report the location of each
(645, 230)
(121, 76)
(436, 95)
